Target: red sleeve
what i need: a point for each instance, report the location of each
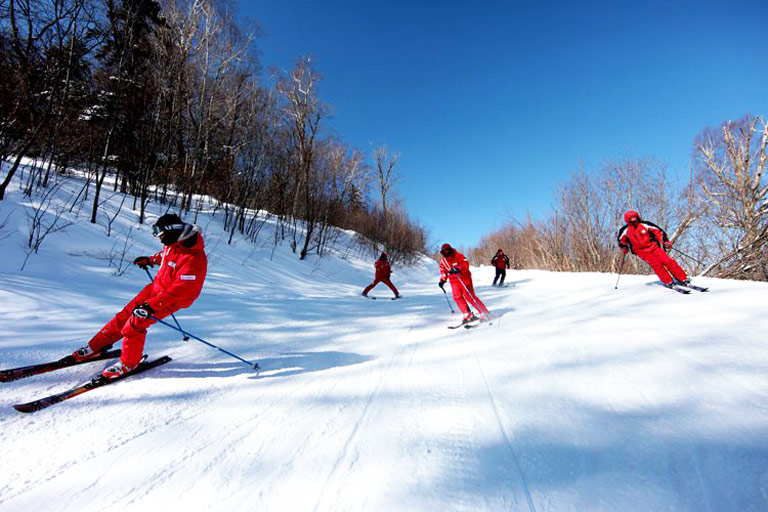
(443, 270)
(658, 234)
(185, 288)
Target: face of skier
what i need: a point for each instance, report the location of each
(634, 220)
(165, 235)
(446, 252)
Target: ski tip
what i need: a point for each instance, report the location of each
(26, 408)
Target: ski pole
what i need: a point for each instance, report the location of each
(254, 366)
(446, 300)
(621, 267)
(475, 299)
(687, 256)
(186, 338)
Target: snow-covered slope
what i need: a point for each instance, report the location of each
(578, 397)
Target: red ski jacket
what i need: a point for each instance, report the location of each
(500, 261)
(383, 269)
(644, 237)
(455, 260)
(182, 273)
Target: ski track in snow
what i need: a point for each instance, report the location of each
(507, 437)
(577, 397)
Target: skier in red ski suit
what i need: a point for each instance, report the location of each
(383, 271)
(454, 267)
(646, 239)
(501, 262)
(178, 283)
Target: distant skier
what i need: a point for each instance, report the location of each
(383, 272)
(650, 243)
(177, 284)
(454, 267)
(501, 262)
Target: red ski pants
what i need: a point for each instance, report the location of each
(131, 328)
(663, 264)
(463, 293)
(386, 281)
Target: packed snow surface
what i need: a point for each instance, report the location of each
(579, 396)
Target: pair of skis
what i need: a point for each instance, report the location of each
(472, 324)
(96, 382)
(686, 288)
(391, 298)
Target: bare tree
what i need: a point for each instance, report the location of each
(734, 186)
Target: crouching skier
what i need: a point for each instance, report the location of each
(178, 283)
(454, 267)
(650, 243)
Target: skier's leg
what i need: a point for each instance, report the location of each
(503, 276)
(111, 332)
(391, 286)
(673, 267)
(498, 272)
(656, 263)
(370, 286)
(458, 297)
(473, 298)
(134, 335)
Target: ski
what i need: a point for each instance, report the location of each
(96, 382)
(466, 325)
(367, 297)
(488, 321)
(694, 287)
(678, 289)
(65, 362)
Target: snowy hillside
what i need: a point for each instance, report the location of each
(579, 397)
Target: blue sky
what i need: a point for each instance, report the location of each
(492, 104)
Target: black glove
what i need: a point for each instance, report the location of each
(143, 311)
(143, 262)
(441, 284)
(454, 271)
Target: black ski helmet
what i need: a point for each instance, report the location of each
(168, 228)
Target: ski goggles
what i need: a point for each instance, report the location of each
(157, 230)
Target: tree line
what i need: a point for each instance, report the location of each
(717, 219)
(169, 98)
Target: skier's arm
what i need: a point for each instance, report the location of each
(186, 286)
(506, 260)
(660, 236)
(623, 240)
(444, 270)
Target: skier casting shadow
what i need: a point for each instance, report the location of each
(383, 272)
(178, 283)
(454, 267)
(650, 243)
(501, 262)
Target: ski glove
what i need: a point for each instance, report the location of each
(625, 250)
(142, 262)
(441, 284)
(667, 246)
(143, 311)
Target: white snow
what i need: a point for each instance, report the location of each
(579, 397)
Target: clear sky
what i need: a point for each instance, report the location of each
(491, 104)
